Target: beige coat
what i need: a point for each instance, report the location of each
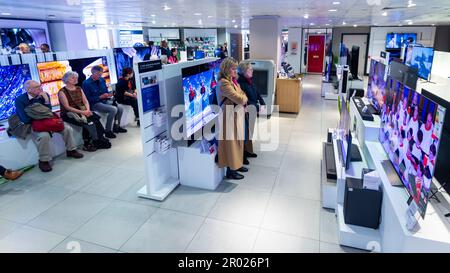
(231, 151)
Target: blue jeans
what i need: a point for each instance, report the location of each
(112, 112)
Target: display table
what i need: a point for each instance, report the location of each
(289, 95)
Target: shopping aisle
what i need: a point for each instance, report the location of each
(92, 203)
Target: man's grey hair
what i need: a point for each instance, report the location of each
(27, 84)
(68, 75)
(96, 68)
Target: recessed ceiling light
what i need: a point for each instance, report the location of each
(153, 22)
(355, 25)
(433, 25)
(165, 25)
(384, 13)
(6, 13)
(410, 23)
(200, 22)
(327, 24)
(166, 7)
(210, 16)
(344, 23)
(332, 10)
(336, 3)
(153, 15)
(197, 14)
(306, 16)
(235, 26)
(233, 21)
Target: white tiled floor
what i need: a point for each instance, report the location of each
(90, 205)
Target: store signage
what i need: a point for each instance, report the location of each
(149, 66)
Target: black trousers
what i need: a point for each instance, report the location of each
(2, 170)
(133, 103)
(90, 131)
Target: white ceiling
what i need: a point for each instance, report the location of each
(229, 13)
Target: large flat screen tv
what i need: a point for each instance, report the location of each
(198, 95)
(377, 84)
(422, 59)
(10, 38)
(12, 80)
(127, 56)
(51, 73)
(410, 133)
(397, 40)
(442, 170)
(345, 136)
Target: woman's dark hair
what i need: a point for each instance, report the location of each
(173, 50)
(127, 71)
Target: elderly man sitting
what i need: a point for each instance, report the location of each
(35, 94)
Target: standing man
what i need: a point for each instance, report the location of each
(97, 94)
(35, 94)
(165, 49)
(45, 48)
(225, 49)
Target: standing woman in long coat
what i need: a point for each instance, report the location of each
(232, 101)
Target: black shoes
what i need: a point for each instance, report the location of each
(246, 162)
(250, 155)
(102, 143)
(118, 129)
(110, 135)
(234, 175)
(242, 170)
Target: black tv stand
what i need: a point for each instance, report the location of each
(434, 193)
(355, 155)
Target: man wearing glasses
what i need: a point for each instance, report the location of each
(35, 94)
(98, 96)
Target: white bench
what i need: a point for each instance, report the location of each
(17, 153)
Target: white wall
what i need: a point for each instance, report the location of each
(295, 58)
(377, 43)
(200, 32)
(265, 40)
(68, 36)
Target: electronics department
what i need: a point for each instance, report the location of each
(224, 126)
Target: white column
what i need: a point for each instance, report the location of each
(295, 57)
(265, 40)
(68, 36)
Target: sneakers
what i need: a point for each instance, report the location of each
(45, 166)
(118, 129)
(74, 154)
(234, 175)
(12, 175)
(110, 135)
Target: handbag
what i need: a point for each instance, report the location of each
(79, 118)
(17, 128)
(54, 124)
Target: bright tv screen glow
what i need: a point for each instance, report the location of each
(410, 133)
(10, 38)
(397, 40)
(377, 84)
(199, 88)
(422, 59)
(51, 73)
(12, 78)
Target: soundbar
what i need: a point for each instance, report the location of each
(363, 109)
(330, 163)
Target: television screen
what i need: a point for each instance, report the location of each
(422, 59)
(345, 137)
(127, 56)
(410, 133)
(12, 37)
(397, 40)
(442, 171)
(198, 88)
(377, 84)
(12, 78)
(51, 73)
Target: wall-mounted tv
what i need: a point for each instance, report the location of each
(198, 89)
(12, 80)
(422, 59)
(397, 40)
(51, 73)
(410, 133)
(377, 84)
(10, 38)
(127, 56)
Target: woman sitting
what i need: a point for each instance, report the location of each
(75, 109)
(126, 91)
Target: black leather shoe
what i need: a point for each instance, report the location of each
(234, 175)
(250, 155)
(242, 170)
(246, 162)
(110, 135)
(118, 129)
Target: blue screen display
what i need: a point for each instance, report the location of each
(12, 78)
(150, 98)
(126, 56)
(422, 59)
(397, 40)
